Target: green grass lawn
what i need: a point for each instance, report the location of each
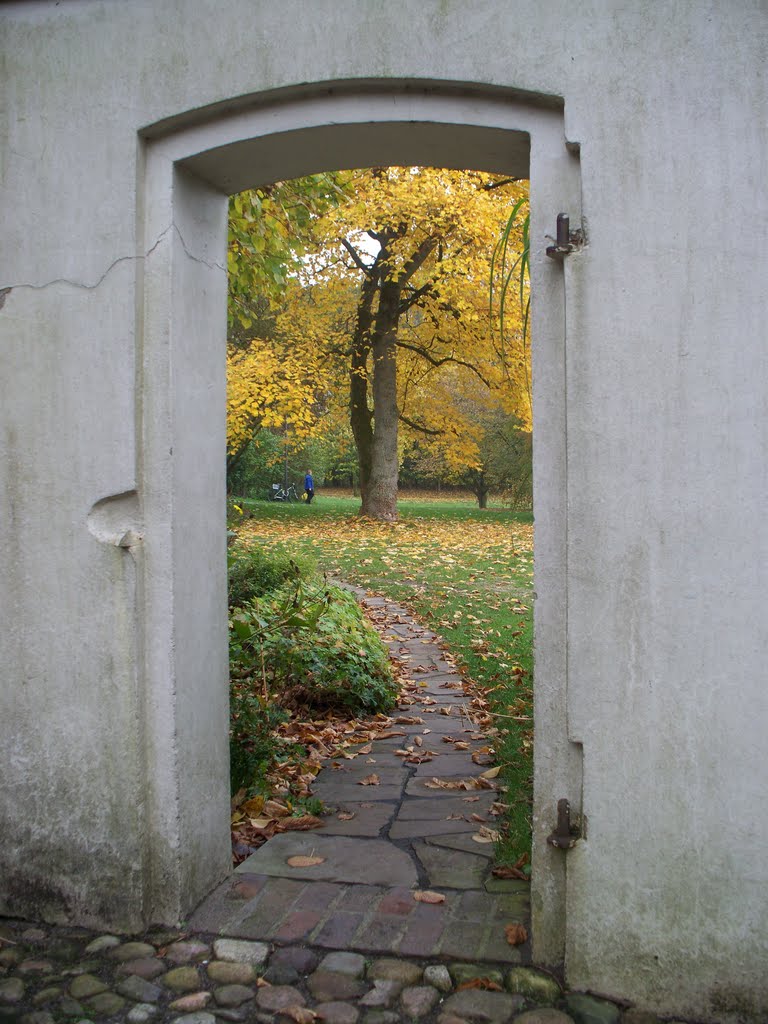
(464, 572)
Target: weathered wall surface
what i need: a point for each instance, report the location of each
(667, 478)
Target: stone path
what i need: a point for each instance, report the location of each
(343, 940)
(394, 830)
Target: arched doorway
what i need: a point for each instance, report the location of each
(190, 166)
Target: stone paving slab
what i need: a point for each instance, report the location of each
(386, 768)
(442, 725)
(369, 818)
(335, 794)
(449, 764)
(451, 803)
(420, 829)
(462, 841)
(417, 786)
(345, 859)
(451, 869)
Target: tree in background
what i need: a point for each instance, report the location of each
(421, 309)
(384, 286)
(272, 384)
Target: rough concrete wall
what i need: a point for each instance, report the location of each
(667, 433)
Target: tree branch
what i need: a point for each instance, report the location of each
(356, 257)
(416, 260)
(414, 297)
(420, 426)
(445, 359)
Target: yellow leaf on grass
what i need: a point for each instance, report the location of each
(303, 861)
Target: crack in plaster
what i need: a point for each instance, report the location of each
(4, 292)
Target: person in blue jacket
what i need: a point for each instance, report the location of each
(309, 486)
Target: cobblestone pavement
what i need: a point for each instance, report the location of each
(341, 939)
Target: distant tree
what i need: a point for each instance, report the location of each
(388, 288)
(421, 308)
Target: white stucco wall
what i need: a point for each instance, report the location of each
(105, 735)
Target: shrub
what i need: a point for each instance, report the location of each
(313, 647)
(253, 742)
(254, 572)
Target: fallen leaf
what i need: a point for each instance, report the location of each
(515, 934)
(300, 824)
(365, 750)
(302, 861)
(505, 871)
(427, 896)
(254, 806)
(491, 773)
(418, 740)
(480, 838)
(369, 780)
(345, 816)
(274, 809)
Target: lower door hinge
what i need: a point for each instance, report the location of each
(567, 833)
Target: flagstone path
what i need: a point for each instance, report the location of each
(398, 826)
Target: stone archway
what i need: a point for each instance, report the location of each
(190, 165)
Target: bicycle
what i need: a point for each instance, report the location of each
(280, 493)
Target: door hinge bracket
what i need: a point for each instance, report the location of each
(567, 833)
(566, 241)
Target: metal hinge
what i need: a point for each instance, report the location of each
(567, 833)
(567, 241)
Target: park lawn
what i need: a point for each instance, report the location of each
(464, 572)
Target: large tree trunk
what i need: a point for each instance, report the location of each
(360, 416)
(380, 494)
(376, 433)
